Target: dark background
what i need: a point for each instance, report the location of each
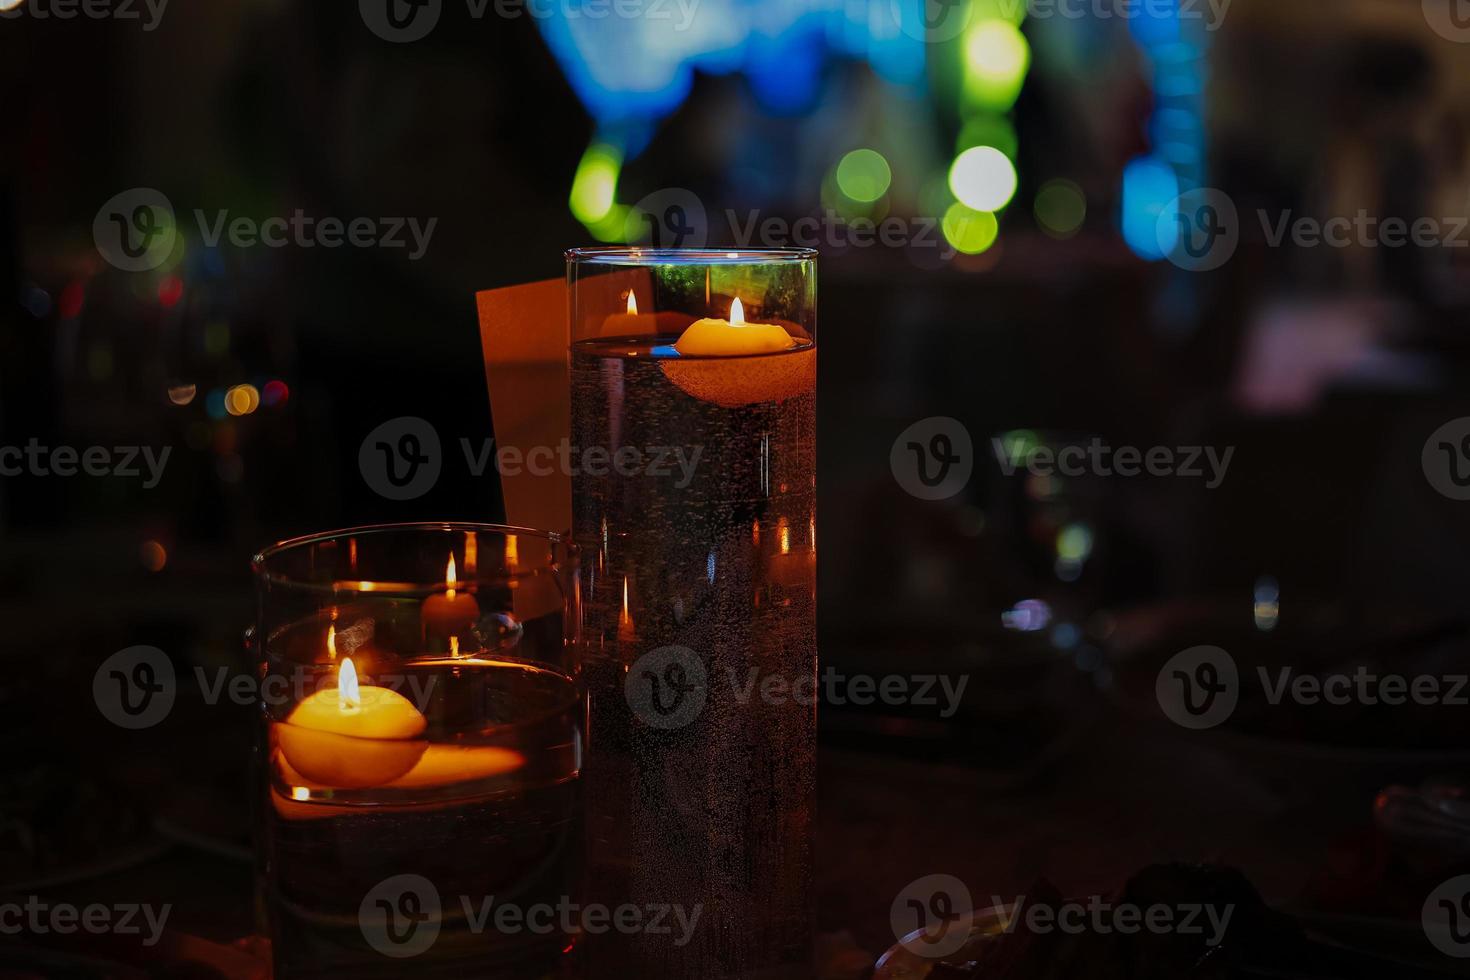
(1325, 369)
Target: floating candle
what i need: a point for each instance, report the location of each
(351, 736)
(733, 337)
(452, 614)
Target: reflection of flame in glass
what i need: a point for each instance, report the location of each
(348, 691)
(625, 618)
(331, 643)
(512, 552)
(472, 551)
(784, 530)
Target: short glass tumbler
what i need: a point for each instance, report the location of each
(420, 751)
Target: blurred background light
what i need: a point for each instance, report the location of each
(997, 58)
(595, 186)
(1150, 188)
(1060, 208)
(969, 231)
(983, 178)
(864, 175)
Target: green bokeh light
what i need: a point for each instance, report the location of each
(1060, 208)
(968, 230)
(864, 175)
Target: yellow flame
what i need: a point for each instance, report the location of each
(347, 690)
(454, 646)
(632, 304)
(450, 577)
(784, 529)
(512, 551)
(331, 643)
(737, 313)
(300, 793)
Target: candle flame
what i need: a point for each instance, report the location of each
(331, 643)
(737, 313)
(348, 692)
(450, 577)
(454, 646)
(632, 304)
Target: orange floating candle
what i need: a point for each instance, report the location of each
(734, 337)
(731, 363)
(351, 736)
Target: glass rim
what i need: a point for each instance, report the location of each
(260, 561)
(637, 255)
